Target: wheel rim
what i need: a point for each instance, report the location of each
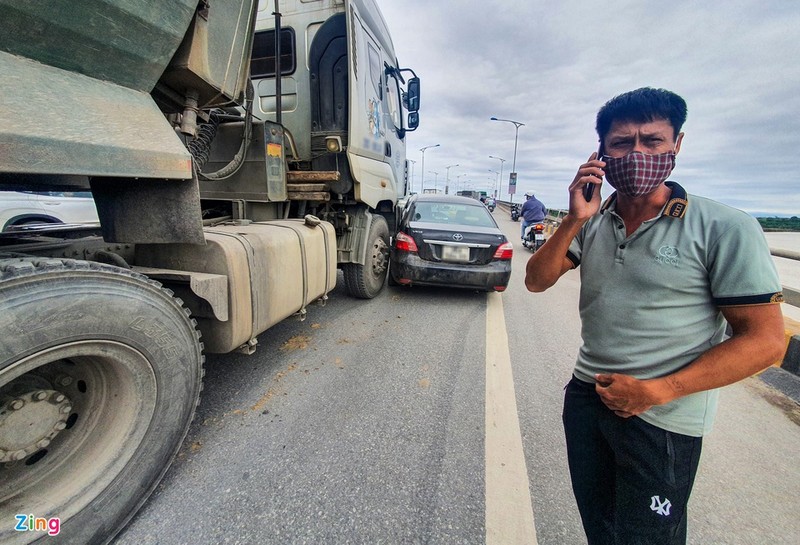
(71, 418)
(380, 257)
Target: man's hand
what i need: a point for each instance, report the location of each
(591, 172)
(627, 396)
(550, 262)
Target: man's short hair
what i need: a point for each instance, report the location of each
(642, 106)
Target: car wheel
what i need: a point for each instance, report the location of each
(100, 374)
(367, 280)
(29, 221)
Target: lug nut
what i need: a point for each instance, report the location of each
(16, 405)
(66, 409)
(64, 380)
(60, 426)
(40, 396)
(19, 455)
(43, 443)
(57, 398)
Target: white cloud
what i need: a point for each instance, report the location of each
(552, 65)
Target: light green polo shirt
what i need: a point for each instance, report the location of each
(650, 302)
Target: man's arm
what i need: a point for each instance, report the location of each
(757, 342)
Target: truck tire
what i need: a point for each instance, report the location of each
(100, 373)
(366, 281)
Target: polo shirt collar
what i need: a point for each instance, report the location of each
(676, 205)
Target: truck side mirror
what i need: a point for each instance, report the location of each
(413, 94)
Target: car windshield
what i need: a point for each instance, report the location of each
(454, 214)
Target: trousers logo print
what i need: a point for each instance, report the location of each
(661, 508)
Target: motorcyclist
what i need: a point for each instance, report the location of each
(533, 211)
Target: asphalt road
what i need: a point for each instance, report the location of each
(367, 424)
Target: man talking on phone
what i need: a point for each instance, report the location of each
(662, 274)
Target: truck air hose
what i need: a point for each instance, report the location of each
(238, 160)
(200, 146)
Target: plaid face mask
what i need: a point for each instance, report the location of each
(637, 173)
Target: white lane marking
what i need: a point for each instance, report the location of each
(509, 510)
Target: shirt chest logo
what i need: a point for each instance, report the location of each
(667, 255)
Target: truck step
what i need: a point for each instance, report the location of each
(308, 195)
(294, 188)
(301, 176)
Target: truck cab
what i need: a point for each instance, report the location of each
(342, 95)
(343, 106)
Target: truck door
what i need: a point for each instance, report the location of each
(395, 148)
(376, 149)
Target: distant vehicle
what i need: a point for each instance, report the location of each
(445, 240)
(19, 208)
(471, 194)
(490, 203)
(534, 236)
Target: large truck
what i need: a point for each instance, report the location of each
(238, 155)
(469, 193)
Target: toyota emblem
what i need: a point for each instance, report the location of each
(458, 236)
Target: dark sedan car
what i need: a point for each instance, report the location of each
(444, 240)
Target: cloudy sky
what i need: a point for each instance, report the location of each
(552, 65)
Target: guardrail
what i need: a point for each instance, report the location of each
(553, 214)
(790, 295)
(788, 254)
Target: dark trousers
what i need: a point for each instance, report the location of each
(631, 480)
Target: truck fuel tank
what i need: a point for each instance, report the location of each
(274, 269)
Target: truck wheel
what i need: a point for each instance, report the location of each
(100, 374)
(366, 281)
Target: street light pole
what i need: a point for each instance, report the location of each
(413, 164)
(435, 179)
(492, 179)
(422, 190)
(513, 174)
(501, 171)
(447, 180)
(494, 183)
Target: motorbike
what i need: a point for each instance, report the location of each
(514, 212)
(534, 236)
(490, 207)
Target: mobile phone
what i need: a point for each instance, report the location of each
(588, 189)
